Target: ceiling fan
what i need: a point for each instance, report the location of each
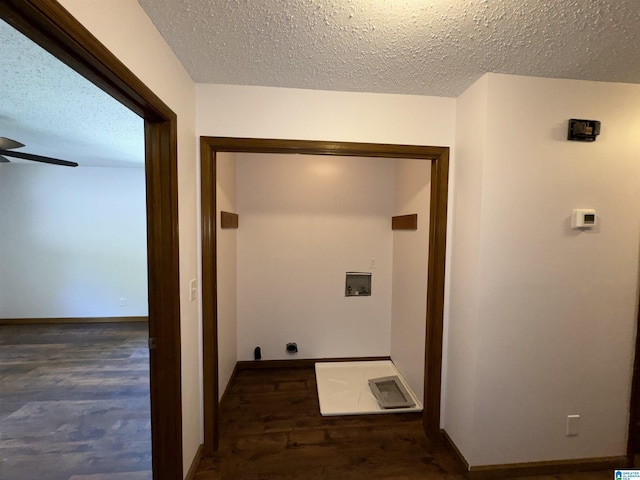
(6, 146)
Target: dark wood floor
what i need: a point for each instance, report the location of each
(74, 402)
(271, 428)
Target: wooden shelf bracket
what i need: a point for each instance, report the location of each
(405, 222)
(228, 220)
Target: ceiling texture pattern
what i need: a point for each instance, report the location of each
(421, 47)
(56, 112)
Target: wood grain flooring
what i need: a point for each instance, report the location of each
(74, 402)
(271, 428)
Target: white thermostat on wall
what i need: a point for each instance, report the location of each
(583, 218)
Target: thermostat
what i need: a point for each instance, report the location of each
(583, 218)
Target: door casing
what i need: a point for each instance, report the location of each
(439, 158)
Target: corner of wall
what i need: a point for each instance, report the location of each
(467, 173)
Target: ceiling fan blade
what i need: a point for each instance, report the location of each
(38, 158)
(7, 143)
(4, 160)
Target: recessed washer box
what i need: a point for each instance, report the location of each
(358, 284)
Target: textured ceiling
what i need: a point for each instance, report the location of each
(56, 112)
(425, 47)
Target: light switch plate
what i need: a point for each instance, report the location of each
(573, 425)
(193, 290)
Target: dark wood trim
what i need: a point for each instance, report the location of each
(300, 362)
(462, 462)
(56, 321)
(633, 439)
(405, 222)
(435, 293)
(191, 473)
(164, 298)
(48, 24)
(553, 467)
(439, 157)
(314, 147)
(208, 208)
(228, 220)
(232, 379)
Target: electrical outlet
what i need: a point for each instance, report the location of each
(373, 264)
(573, 425)
(193, 290)
(122, 302)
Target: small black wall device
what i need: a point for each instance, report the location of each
(583, 130)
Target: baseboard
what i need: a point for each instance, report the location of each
(552, 467)
(194, 464)
(55, 321)
(461, 461)
(300, 362)
(232, 379)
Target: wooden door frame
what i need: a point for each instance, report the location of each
(52, 27)
(439, 157)
(633, 443)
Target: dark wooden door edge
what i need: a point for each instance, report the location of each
(208, 208)
(439, 157)
(633, 442)
(48, 24)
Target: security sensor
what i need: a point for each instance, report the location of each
(583, 130)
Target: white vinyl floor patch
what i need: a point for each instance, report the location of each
(343, 388)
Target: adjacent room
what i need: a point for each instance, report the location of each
(74, 356)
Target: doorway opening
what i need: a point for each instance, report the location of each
(438, 156)
(49, 25)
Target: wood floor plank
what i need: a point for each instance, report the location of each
(271, 428)
(74, 402)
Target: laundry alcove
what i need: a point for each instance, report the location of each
(304, 221)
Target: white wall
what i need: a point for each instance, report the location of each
(556, 309)
(465, 217)
(226, 258)
(265, 112)
(412, 192)
(306, 221)
(124, 28)
(288, 113)
(74, 242)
